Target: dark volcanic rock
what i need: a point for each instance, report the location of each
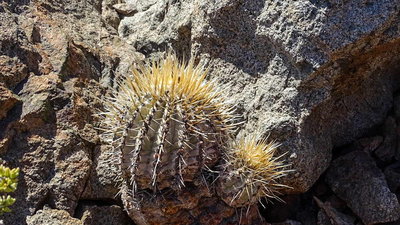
(388, 148)
(330, 216)
(392, 173)
(356, 179)
(368, 144)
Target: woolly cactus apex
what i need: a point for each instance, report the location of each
(166, 123)
(251, 172)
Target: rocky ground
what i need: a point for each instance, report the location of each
(361, 186)
(318, 76)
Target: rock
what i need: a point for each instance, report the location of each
(307, 73)
(330, 216)
(110, 15)
(356, 179)
(342, 219)
(277, 211)
(108, 215)
(369, 144)
(36, 95)
(7, 101)
(396, 107)
(12, 71)
(397, 156)
(68, 183)
(392, 174)
(288, 222)
(387, 150)
(157, 25)
(125, 9)
(52, 217)
(104, 175)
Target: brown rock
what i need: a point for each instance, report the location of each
(52, 217)
(107, 215)
(72, 169)
(12, 71)
(104, 176)
(7, 101)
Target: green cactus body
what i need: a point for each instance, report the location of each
(161, 148)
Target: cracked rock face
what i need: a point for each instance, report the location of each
(311, 74)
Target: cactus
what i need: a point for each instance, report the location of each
(252, 171)
(167, 125)
(8, 183)
(169, 128)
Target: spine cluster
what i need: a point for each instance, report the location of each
(252, 171)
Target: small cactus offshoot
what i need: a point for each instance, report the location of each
(167, 122)
(251, 172)
(8, 183)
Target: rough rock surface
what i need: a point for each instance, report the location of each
(110, 215)
(313, 74)
(54, 54)
(52, 217)
(356, 179)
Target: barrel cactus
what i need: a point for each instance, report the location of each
(252, 171)
(169, 128)
(167, 125)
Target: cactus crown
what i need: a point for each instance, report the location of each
(166, 122)
(253, 170)
(171, 82)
